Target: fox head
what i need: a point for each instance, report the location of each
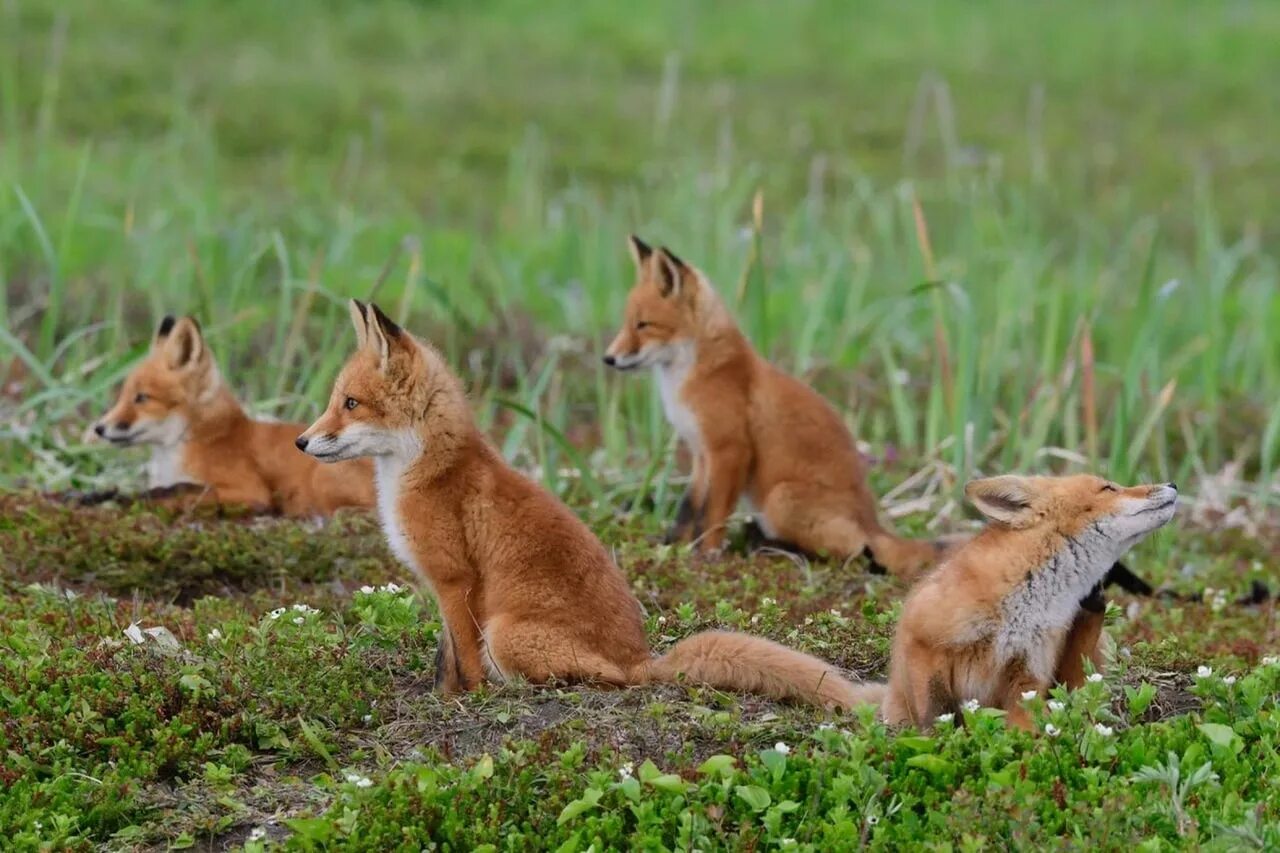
(395, 396)
(158, 397)
(1081, 507)
(662, 310)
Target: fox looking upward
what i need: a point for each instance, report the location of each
(749, 427)
(524, 588)
(176, 402)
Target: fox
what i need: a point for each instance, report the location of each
(176, 402)
(524, 589)
(750, 428)
(1019, 606)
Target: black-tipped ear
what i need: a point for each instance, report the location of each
(671, 272)
(360, 320)
(640, 250)
(166, 326)
(183, 343)
(385, 323)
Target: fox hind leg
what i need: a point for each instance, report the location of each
(538, 653)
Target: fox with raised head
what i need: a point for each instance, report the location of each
(524, 588)
(750, 428)
(1017, 607)
(176, 402)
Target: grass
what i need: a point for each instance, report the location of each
(998, 236)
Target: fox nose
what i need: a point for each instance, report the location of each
(100, 429)
(301, 442)
(610, 360)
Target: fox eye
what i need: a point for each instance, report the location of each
(350, 403)
(642, 324)
(140, 397)
(1109, 488)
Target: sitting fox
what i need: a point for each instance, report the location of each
(176, 403)
(750, 428)
(1019, 606)
(524, 588)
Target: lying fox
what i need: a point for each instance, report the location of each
(749, 427)
(175, 402)
(1017, 607)
(524, 588)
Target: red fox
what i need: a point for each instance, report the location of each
(524, 588)
(175, 402)
(749, 427)
(1013, 609)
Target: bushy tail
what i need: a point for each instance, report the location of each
(740, 662)
(906, 558)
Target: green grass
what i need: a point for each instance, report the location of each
(997, 235)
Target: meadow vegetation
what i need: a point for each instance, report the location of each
(998, 236)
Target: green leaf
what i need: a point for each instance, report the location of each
(590, 798)
(933, 764)
(311, 828)
(721, 764)
(667, 782)
(754, 796)
(917, 743)
(1219, 734)
(630, 788)
(648, 771)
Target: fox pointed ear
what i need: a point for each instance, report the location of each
(1006, 499)
(359, 319)
(672, 273)
(384, 334)
(165, 327)
(640, 250)
(183, 343)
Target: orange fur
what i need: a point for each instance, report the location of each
(751, 429)
(176, 402)
(1005, 613)
(524, 588)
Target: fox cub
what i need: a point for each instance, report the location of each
(524, 588)
(1009, 612)
(750, 428)
(176, 403)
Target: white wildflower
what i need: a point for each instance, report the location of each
(1055, 706)
(367, 590)
(277, 613)
(626, 770)
(1203, 671)
(1051, 730)
(367, 719)
(662, 620)
(808, 620)
(305, 608)
(1228, 680)
(1094, 677)
(836, 613)
(1270, 660)
(826, 727)
(972, 705)
(767, 601)
(872, 819)
(1105, 731)
(257, 833)
(392, 588)
(1028, 695)
(359, 781)
(298, 620)
(782, 748)
(945, 718)
(214, 635)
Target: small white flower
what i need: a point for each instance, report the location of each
(367, 719)
(298, 620)
(1055, 706)
(872, 819)
(1203, 671)
(786, 842)
(305, 608)
(626, 770)
(781, 747)
(277, 613)
(946, 718)
(1028, 695)
(1105, 731)
(1051, 730)
(766, 601)
(257, 833)
(364, 782)
(972, 705)
(214, 635)
(662, 620)
(1094, 677)
(835, 613)
(367, 590)
(1228, 680)
(755, 619)
(808, 620)
(1270, 660)
(826, 727)
(392, 588)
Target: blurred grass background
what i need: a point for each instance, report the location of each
(997, 234)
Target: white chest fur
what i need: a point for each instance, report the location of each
(389, 480)
(671, 377)
(1045, 604)
(164, 468)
